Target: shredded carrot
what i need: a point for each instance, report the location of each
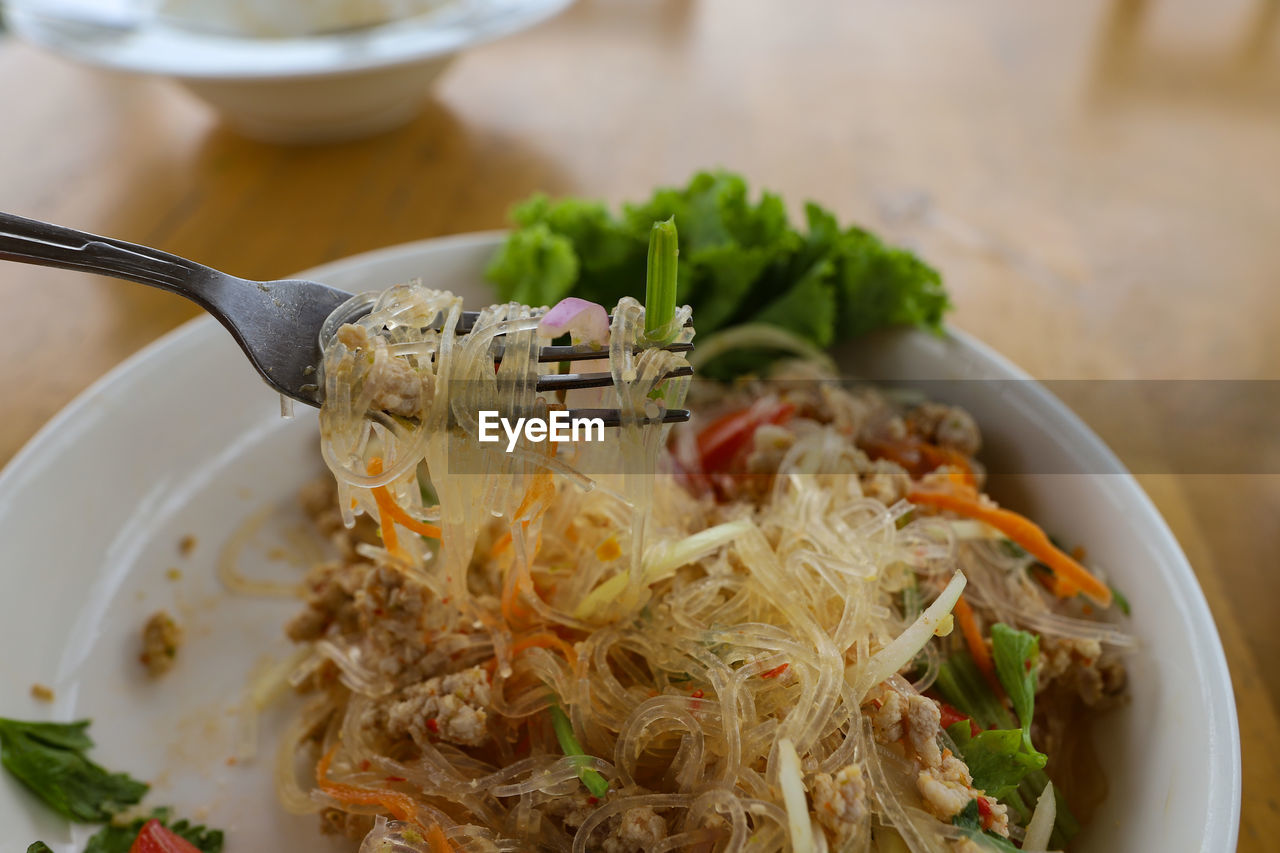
(389, 510)
(545, 640)
(503, 543)
(512, 610)
(536, 497)
(977, 646)
(437, 840)
(385, 523)
(920, 457)
(403, 518)
(540, 640)
(1071, 576)
(776, 671)
(399, 805)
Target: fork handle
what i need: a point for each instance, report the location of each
(30, 241)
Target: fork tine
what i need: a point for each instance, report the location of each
(467, 321)
(554, 353)
(581, 353)
(613, 418)
(571, 381)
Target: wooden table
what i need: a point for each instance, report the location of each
(1096, 180)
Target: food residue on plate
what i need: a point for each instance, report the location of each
(161, 637)
(42, 693)
(186, 545)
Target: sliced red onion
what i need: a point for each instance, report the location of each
(586, 322)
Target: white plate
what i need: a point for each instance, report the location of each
(183, 439)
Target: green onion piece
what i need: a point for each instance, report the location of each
(594, 782)
(660, 281)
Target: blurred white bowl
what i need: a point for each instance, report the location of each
(312, 88)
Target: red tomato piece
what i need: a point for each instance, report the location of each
(156, 838)
(728, 435)
(951, 716)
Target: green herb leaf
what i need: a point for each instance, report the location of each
(118, 838)
(39, 847)
(970, 822)
(591, 778)
(49, 758)
(1017, 659)
(998, 759)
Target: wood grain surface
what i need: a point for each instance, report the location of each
(1096, 180)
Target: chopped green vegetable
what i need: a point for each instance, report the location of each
(998, 759)
(118, 838)
(39, 847)
(740, 262)
(591, 778)
(970, 822)
(1017, 659)
(49, 758)
(660, 281)
(1013, 549)
(961, 684)
(1118, 597)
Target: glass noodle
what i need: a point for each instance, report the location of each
(710, 656)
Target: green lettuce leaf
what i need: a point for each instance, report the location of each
(741, 261)
(535, 266)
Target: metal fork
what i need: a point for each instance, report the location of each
(276, 323)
